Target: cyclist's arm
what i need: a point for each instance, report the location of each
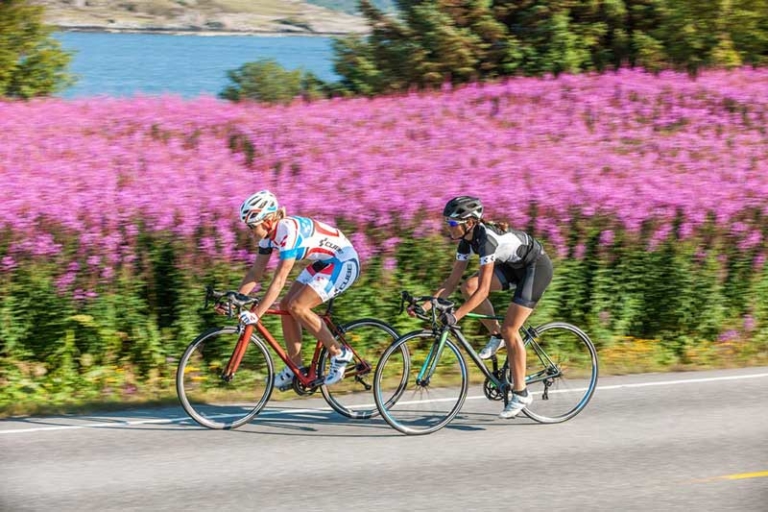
(483, 289)
(254, 274)
(276, 286)
(450, 284)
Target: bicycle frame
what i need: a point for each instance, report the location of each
(311, 379)
(550, 370)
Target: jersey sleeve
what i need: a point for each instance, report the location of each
(486, 248)
(265, 247)
(287, 239)
(463, 251)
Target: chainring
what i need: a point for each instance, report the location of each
(491, 391)
(303, 390)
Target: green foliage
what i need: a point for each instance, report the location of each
(32, 63)
(690, 301)
(266, 81)
(428, 42)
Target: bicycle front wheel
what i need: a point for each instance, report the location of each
(561, 372)
(420, 387)
(209, 399)
(352, 397)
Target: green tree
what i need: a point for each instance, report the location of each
(32, 63)
(267, 81)
(427, 42)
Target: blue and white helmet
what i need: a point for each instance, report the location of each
(257, 207)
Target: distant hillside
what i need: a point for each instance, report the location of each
(210, 16)
(350, 6)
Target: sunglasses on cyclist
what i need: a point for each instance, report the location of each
(453, 223)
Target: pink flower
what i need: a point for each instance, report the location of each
(8, 264)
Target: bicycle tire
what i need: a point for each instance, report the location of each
(352, 397)
(206, 397)
(561, 373)
(421, 407)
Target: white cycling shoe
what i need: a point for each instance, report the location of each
(493, 346)
(338, 365)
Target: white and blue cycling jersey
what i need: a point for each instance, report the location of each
(336, 265)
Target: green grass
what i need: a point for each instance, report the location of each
(623, 357)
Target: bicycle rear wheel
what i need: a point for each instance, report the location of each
(352, 397)
(418, 390)
(209, 399)
(561, 372)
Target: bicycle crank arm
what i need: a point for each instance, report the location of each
(365, 384)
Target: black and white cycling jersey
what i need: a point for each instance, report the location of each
(512, 248)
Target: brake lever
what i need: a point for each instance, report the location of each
(404, 297)
(209, 294)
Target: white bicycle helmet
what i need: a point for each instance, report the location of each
(257, 207)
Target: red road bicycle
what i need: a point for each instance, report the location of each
(226, 375)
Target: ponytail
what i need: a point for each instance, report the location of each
(503, 226)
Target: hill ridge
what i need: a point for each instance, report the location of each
(204, 17)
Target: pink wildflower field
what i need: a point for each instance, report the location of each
(633, 149)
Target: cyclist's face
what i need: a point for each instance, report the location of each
(458, 228)
(259, 230)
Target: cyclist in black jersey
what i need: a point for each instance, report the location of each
(508, 259)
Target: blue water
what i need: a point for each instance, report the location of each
(152, 64)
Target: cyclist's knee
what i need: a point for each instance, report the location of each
(285, 303)
(296, 309)
(512, 334)
(469, 286)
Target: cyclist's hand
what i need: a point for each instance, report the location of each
(222, 309)
(448, 318)
(248, 318)
(415, 309)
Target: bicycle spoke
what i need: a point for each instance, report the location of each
(561, 372)
(415, 405)
(353, 396)
(213, 401)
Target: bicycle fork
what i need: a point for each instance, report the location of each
(430, 363)
(237, 356)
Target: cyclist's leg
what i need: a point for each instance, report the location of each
(469, 287)
(291, 326)
(322, 281)
(510, 331)
(531, 282)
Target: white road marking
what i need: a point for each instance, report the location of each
(159, 421)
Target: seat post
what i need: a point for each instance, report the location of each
(329, 309)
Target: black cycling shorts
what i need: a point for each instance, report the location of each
(529, 282)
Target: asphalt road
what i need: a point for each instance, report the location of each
(680, 441)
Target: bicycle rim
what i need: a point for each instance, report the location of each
(561, 373)
(417, 407)
(353, 397)
(206, 397)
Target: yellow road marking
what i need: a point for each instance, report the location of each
(737, 476)
(741, 476)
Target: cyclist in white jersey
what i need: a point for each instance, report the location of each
(336, 266)
(508, 259)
